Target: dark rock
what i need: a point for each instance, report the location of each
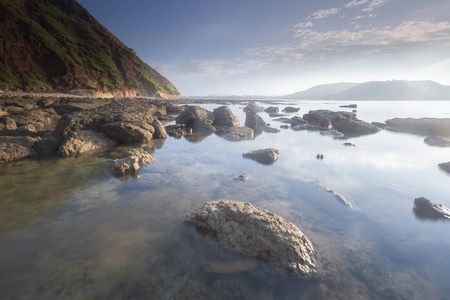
(236, 133)
(84, 141)
(316, 119)
(255, 232)
(332, 132)
(255, 122)
(320, 156)
(283, 120)
(423, 126)
(47, 146)
(253, 108)
(424, 208)
(160, 131)
(130, 163)
(174, 109)
(223, 116)
(46, 102)
(353, 127)
(379, 124)
(445, 166)
(36, 117)
(8, 123)
(129, 133)
(272, 109)
(203, 126)
(178, 130)
(265, 156)
(350, 106)
(290, 109)
(297, 121)
(438, 141)
(275, 115)
(284, 126)
(349, 144)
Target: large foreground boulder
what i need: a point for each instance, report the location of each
(84, 141)
(256, 232)
(423, 126)
(223, 116)
(265, 156)
(426, 209)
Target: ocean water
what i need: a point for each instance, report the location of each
(70, 230)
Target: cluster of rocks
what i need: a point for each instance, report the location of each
(255, 232)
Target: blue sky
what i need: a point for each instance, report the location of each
(269, 47)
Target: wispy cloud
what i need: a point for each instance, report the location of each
(324, 13)
(355, 3)
(197, 69)
(374, 4)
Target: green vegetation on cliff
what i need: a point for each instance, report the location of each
(56, 45)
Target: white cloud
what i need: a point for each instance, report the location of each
(197, 69)
(303, 25)
(374, 4)
(324, 13)
(355, 3)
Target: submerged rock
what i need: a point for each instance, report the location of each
(236, 133)
(424, 208)
(130, 163)
(423, 126)
(438, 141)
(242, 177)
(336, 195)
(84, 141)
(265, 156)
(256, 232)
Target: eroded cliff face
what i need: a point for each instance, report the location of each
(56, 45)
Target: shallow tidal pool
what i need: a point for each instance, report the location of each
(70, 230)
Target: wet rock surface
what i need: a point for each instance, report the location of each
(242, 178)
(236, 133)
(13, 151)
(84, 141)
(130, 163)
(255, 232)
(223, 116)
(265, 156)
(423, 126)
(424, 208)
(129, 132)
(438, 141)
(197, 118)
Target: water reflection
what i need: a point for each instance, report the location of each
(71, 230)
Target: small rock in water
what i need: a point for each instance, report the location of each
(255, 232)
(426, 209)
(242, 177)
(339, 197)
(265, 156)
(445, 166)
(320, 156)
(349, 144)
(291, 109)
(130, 163)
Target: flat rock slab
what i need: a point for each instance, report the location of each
(439, 141)
(423, 126)
(237, 133)
(256, 232)
(265, 156)
(424, 208)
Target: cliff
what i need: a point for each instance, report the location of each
(56, 45)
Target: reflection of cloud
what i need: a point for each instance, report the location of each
(196, 69)
(324, 13)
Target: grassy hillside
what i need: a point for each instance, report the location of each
(56, 45)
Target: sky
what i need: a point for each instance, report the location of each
(277, 47)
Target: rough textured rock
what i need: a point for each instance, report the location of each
(297, 121)
(438, 141)
(236, 133)
(123, 110)
(8, 123)
(353, 127)
(265, 156)
(84, 141)
(36, 117)
(223, 116)
(160, 131)
(203, 126)
(192, 113)
(445, 166)
(272, 109)
(129, 133)
(423, 126)
(13, 151)
(242, 178)
(178, 130)
(46, 146)
(255, 122)
(290, 109)
(130, 163)
(426, 209)
(256, 232)
(253, 108)
(316, 119)
(174, 109)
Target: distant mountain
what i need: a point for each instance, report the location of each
(381, 90)
(322, 91)
(56, 45)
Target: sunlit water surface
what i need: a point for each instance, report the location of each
(70, 230)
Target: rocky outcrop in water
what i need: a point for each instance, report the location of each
(197, 118)
(423, 126)
(84, 141)
(236, 133)
(255, 122)
(253, 108)
(445, 166)
(130, 163)
(223, 116)
(424, 208)
(256, 232)
(438, 141)
(265, 156)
